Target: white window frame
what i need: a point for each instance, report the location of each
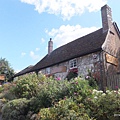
(73, 63)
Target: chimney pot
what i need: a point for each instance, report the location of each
(50, 46)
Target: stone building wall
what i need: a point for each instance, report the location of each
(88, 63)
(85, 63)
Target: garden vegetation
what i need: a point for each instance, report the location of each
(34, 97)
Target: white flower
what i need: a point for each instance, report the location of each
(107, 91)
(103, 94)
(114, 91)
(94, 91)
(95, 97)
(100, 91)
(110, 93)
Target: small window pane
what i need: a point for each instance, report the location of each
(73, 63)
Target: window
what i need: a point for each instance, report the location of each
(47, 70)
(73, 63)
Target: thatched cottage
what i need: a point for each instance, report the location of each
(98, 52)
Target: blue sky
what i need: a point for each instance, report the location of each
(27, 25)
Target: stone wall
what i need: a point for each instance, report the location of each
(88, 63)
(85, 63)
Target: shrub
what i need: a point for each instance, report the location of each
(54, 99)
(49, 92)
(73, 73)
(2, 102)
(15, 109)
(7, 91)
(26, 87)
(79, 88)
(92, 83)
(63, 110)
(1, 89)
(52, 91)
(103, 106)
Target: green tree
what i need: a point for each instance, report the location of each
(6, 69)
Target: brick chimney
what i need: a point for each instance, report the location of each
(106, 17)
(50, 46)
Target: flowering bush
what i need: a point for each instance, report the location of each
(103, 106)
(51, 99)
(64, 110)
(52, 91)
(26, 87)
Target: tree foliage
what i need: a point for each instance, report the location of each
(6, 69)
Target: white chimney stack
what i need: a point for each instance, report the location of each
(106, 17)
(50, 46)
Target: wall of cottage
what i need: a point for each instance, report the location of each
(58, 71)
(61, 70)
(111, 57)
(90, 62)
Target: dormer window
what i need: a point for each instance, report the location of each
(73, 63)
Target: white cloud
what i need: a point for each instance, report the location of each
(37, 49)
(66, 8)
(23, 54)
(68, 33)
(34, 56)
(42, 40)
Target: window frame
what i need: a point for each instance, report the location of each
(73, 63)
